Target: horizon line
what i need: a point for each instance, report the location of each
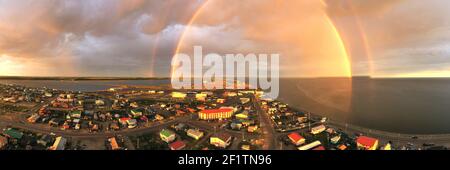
(168, 77)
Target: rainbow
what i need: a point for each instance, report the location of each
(341, 43)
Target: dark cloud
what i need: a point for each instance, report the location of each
(92, 35)
(138, 37)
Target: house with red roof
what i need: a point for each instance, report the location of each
(367, 143)
(319, 148)
(177, 145)
(124, 120)
(296, 138)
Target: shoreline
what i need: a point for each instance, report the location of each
(81, 78)
(365, 130)
(375, 132)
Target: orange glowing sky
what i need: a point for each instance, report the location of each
(315, 38)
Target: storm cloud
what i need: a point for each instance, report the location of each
(139, 37)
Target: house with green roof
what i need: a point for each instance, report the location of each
(12, 133)
(167, 135)
(75, 114)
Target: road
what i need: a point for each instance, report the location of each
(268, 131)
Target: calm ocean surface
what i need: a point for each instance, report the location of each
(419, 106)
(416, 106)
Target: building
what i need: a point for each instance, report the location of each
(75, 114)
(236, 125)
(246, 147)
(12, 133)
(179, 95)
(252, 129)
(221, 101)
(318, 129)
(244, 100)
(48, 94)
(230, 94)
(335, 139)
(342, 147)
(223, 113)
(296, 138)
(136, 112)
(113, 143)
(201, 96)
(178, 145)
(33, 118)
(367, 143)
(330, 131)
(54, 122)
(167, 135)
(196, 134)
(3, 142)
(44, 140)
(124, 120)
(319, 148)
(179, 126)
(132, 123)
(243, 115)
(99, 102)
(302, 119)
(221, 140)
(159, 117)
(310, 145)
(248, 122)
(387, 147)
(60, 144)
(134, 105)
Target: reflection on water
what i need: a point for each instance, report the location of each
(396, 105)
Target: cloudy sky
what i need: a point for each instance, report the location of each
(402, 38)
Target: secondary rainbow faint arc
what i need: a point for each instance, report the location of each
(363, 35)
(336, 32)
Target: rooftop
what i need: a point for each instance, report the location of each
(13, 133)
(294, 136)
(223, 136)
(366, 141)
(212, 111)
(166, 133)
(177, 145)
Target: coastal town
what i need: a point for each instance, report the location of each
(134, 118)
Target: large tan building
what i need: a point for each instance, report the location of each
(223, 113)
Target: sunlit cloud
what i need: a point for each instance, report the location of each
(139, 37)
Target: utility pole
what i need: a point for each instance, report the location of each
(137, 143)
